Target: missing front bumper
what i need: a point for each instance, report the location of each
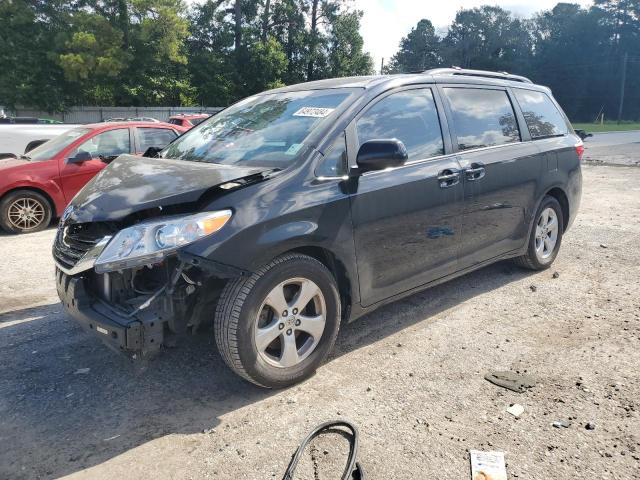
(140, 334)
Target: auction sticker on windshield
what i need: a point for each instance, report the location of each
(316, 112)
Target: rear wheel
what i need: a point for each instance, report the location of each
(24, 211)
(277, 326)
(545, 237)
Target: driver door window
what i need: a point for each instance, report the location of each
(409, 116)
(107, 144)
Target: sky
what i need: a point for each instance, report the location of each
(385, 22)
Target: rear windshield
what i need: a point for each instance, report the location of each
(542, 116)
(268, 130)
(49, 149)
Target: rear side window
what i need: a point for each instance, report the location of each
(542, 116)
(155, 137)
(482, 118)
(175, 121)
(411, 117)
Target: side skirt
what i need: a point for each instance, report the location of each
(358, 310)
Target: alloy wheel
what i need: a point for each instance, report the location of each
(26, 213)
(290, 322)
(547, 229)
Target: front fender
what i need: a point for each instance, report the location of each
(268, 223)
(49, 188)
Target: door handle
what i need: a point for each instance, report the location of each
(475, 171)
(448, 178)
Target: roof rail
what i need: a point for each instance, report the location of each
(477, 73)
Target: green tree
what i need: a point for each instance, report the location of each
(419, 50)
(210, 46)
(93, 57)
(486, 38)
(28, 74)
(346, 55)
(572, 57)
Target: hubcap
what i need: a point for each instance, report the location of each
(546, 233)
(26, 213)
(290, 322)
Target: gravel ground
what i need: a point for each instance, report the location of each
(409, 375)
(613, 148)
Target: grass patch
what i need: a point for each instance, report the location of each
(607, 127)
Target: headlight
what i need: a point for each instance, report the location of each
(151, 241)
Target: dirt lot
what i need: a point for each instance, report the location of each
(410, 375)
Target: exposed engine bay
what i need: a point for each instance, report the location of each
(137, 310)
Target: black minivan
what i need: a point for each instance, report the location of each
(303, 207)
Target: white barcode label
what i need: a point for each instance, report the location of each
(316, 112)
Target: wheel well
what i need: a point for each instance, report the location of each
(562, 199)
(335, 266)
(41, 192)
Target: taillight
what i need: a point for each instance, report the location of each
(580, 150)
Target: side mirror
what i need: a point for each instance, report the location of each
(152, 152)
(381, 154)
(80, 157)
(107, 158)
(583, 134)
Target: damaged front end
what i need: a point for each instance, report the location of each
(121, 270)
(133, 309)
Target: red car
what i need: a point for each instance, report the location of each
(188, 120)
(37, 187)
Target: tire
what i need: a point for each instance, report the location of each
(35, 205)
(535, 258)
(245, 312)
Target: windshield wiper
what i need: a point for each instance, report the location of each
(25, 157)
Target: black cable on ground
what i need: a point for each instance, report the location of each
(352, 471)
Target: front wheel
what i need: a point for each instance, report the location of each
(24, 211)
(276, 327)
(545, 237)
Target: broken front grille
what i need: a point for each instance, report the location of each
(73, 241)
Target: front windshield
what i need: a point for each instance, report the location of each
(266, 130)
(49, 149)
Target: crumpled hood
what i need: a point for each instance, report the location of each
(131, 184)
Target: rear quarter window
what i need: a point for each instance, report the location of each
(541, 115)
(155, 137)
(482, 117)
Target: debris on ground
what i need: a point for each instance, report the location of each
(555, 275)
(511, 380)
(604, 245)
(82, 371)
(515, 409)
(561, 424)
(590, 426)
(533, 288)
(487, 465)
